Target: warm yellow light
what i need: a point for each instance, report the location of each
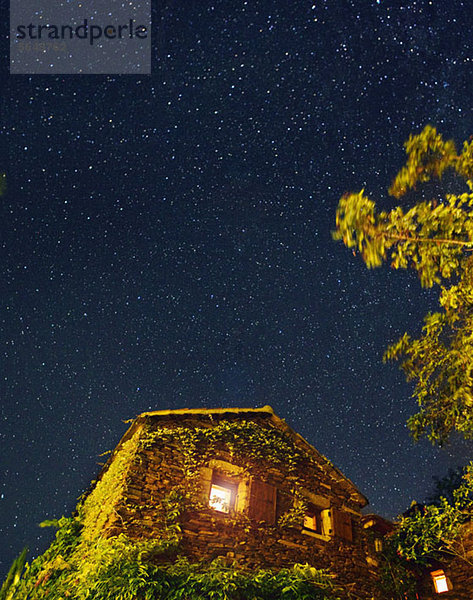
(220, 498)
(440, 581)
(310, 522)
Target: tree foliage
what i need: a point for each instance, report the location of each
(444, 487)
(434, 532)
(118, 568)
(428, 535)
(435, 238)
(397, 576)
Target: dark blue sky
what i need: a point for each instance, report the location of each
(166, 240)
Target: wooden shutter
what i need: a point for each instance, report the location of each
(342, 526)
(262, 502)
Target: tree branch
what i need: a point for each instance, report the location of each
(408, 238)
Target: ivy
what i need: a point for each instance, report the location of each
(121, 569)
(92, 567)
(245, 441)
(295, 515)
(97, 508)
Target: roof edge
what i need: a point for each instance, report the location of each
(205, 411)
(336, 474)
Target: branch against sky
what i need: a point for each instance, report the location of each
(435, 238)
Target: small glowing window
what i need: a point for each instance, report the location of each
(313, 519)
(440, 581)
(310, 522)
(220, 498)
(378, 545)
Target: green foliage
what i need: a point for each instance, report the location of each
(220, 582)
(46, 568)
(444, 487)
(397, 578)
(433, 532)
(244, 440)
(295, 515)
(423, 535)
(97, 508)
(431, 237)
(435, 239)
(428, 155)
(13, 576)
(119, 569)
(441, 364)
(91, 567)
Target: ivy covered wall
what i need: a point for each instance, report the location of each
(151, 529)
(160, 476)
(228, 505)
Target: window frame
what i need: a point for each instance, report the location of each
(313, 512)
(226, 483)
(378, 545)
(440, 576)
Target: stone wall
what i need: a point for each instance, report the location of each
(160, 467)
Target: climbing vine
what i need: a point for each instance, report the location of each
(245, 441)
(82, 564)
(121, 569)
(295, 515)
(97, 509)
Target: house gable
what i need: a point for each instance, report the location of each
(266, 413)
(245, 486)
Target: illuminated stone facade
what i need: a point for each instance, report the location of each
(252, 491)
(254, 504)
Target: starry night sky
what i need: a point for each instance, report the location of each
(166, 241)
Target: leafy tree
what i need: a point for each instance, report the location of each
(444, 487)
(435, 238)
(397, 576)
(434, 532)
(427, 535)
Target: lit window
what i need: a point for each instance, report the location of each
(440, 581)
(310, 522)
(221, 498)
(378, 545)
(313, 519)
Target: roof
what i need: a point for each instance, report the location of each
(207, 411)
(267, 411)
(377, 522)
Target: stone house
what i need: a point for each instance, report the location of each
(241, 485)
